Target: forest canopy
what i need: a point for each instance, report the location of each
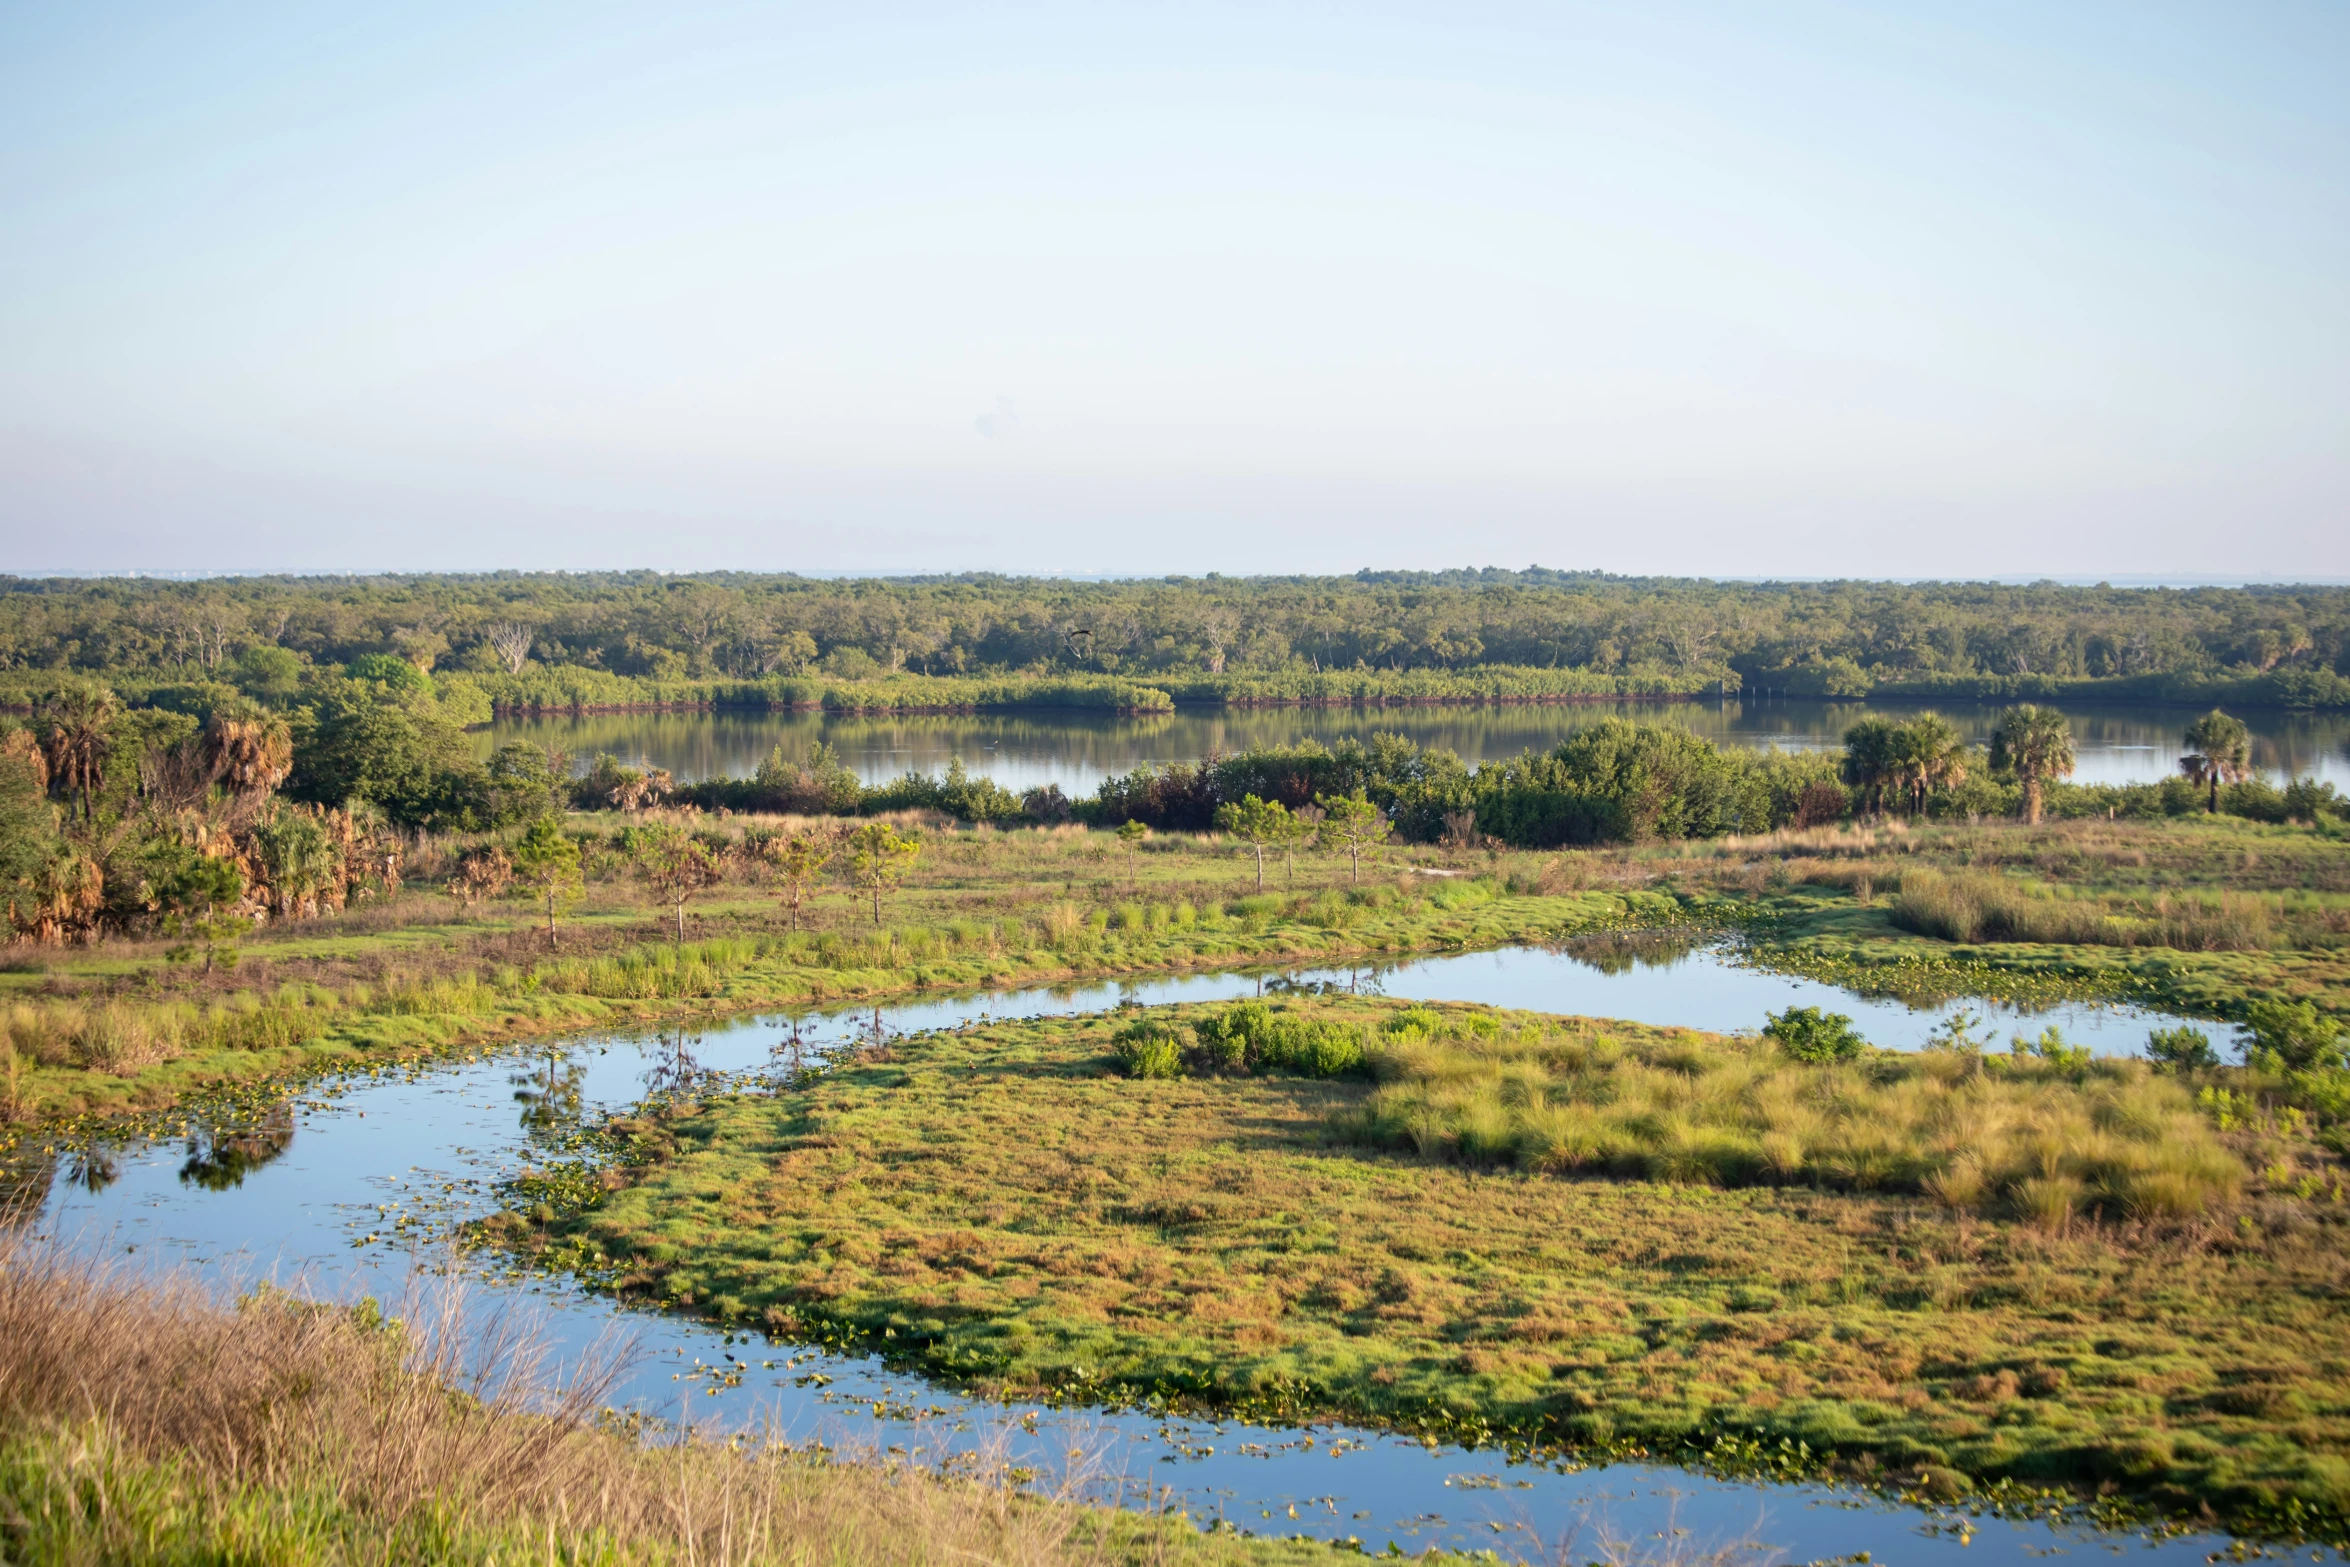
(1827, 638)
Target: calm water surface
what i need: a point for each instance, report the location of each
(347, 1191)
(1076, 750)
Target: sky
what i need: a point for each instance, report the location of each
(1800, 290)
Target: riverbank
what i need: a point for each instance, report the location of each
(406, 993)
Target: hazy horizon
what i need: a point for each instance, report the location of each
(1675, 290)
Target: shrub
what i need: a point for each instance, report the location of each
(2050, 1046)
(2295, 1034)
(1252, 1036)
(1150, 1047)
(1808, 1034)
(2181, 1050)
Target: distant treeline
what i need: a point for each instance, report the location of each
(566, 642)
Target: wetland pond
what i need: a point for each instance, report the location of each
(347, 1187)
(1077, 749)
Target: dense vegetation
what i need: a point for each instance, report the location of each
(117, 819)
(613, 638)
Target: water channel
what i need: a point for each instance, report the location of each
(347, 1188)
(1024, 750)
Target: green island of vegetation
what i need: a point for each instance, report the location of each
(1966, 1267)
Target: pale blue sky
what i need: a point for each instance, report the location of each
(1807, 289)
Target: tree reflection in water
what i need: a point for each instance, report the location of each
(93, 1167)
(221, 1155)
(550, 1098)
(1621, 951)
(676, 1070)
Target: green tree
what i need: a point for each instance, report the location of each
(268, 673)
(547, 861)
(676, 865)
(2219, 751)
(28, 822)
(297, 861)
(1261, 824)
(1871, 761)
(2180, 1050)
(1928, 755)
(360, 740)
(526, 782)
(1351, 824)
(196, 895)
(77, 736)
(879, 858)
(797, 859)
(2036, 745)
(1131, 833)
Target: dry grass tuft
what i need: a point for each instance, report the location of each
(143, 1421)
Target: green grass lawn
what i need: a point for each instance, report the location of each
(1003, 1205)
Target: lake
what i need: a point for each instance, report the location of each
(1028, 749)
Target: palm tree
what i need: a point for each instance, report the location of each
(297, 859)
(2036, 744)
(2219, 751)
(77, 736)
(1870, 760)
(1928, 755)
(250, 755)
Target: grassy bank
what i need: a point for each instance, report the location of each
(121, 1027)
(294, 1433)
(2200, 916)
(1006, 1206)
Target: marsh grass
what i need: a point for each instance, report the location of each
(1003, 1205)
(140, 1421)
(1000, 908)
(1965, 906)
(1973, 1132)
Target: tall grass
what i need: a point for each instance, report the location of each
(141, 1422)
(1969, 906)
(2037, 1138)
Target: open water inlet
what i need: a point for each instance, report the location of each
(347, 1190)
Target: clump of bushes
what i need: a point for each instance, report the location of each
(2181, 1049)
(1809, 1034)
(1247, 1038)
